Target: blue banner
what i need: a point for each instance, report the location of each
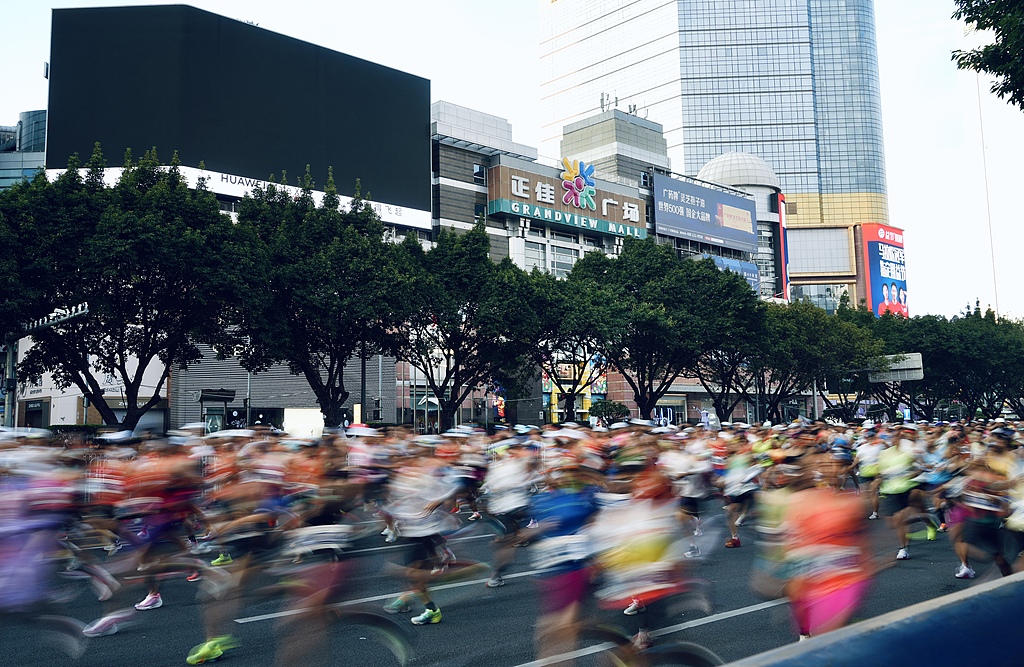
(687, 210)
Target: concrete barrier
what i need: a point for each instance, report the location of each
(982, 626)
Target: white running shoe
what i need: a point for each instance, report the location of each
(902, 554)
(965, 572)
(634, 608)
(152, 601)
(874, 515)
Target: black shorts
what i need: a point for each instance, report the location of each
(745, 498)
(984, 536)
(1018, 541)
(511, 523)
(866, 481)
(690, 505)
(421, 551)
(895, 502)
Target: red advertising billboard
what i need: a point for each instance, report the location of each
(885, 269)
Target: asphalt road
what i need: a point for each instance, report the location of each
(481, 626)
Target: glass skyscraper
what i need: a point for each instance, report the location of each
(794, 82)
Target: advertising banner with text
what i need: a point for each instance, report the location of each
(885, 265)
(690, 211)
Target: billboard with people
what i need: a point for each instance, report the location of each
(885, 269)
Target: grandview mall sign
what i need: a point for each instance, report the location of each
(573, 201)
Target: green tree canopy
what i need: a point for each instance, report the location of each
(569, 315)
(662, 313)
(463, 324)
(1003, 58)
(155, 260)
(326, 290)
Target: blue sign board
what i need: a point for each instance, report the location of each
(746, 269)
(690, 211)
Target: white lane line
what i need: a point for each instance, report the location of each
(377, 598)
(399, 546)
(590, 650)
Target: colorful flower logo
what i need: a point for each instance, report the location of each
(578, 182)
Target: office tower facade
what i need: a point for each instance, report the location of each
(793, 82)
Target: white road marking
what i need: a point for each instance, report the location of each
(377, 598)
(590, 650)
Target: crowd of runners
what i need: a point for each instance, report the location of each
(619, 517)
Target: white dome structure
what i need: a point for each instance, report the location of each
(739, 169)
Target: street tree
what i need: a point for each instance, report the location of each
(721, 368)
(325, 289)
(662, 313)
(569, 315)
(463, 324)
(803, 345)
(155, 260)
(608, 412)
(1003, 58)
(981, 343)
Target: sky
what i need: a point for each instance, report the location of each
(964, 232)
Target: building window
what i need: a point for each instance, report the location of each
(591, 242)
(562, 260)
(479, 212)
(564, 238)
(536, 256)
(537, 232)
(645, 179)
(479, 174)
(791, 208)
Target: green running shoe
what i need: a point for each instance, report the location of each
(428, 616)
(223, 559)
(210, 650)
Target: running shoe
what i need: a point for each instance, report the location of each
(195, 576)
(200, 548)
(642, 641)
(495, 581)
(943, 528)
(475, 516)
(428, 616)
(965, 572)
(698, 531)
(741, 518)
(874, 515)
(634, 608)
(692, 552)
(732, 543)
(223, 559)
(397, 606)
(210, 650)
(107, 625)
(931, 532)
(152, 601)
(902, 554)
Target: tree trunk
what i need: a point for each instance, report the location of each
(569, 408)
(644, 404)
(446, 415)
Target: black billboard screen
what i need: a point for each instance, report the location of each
(243, 100)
